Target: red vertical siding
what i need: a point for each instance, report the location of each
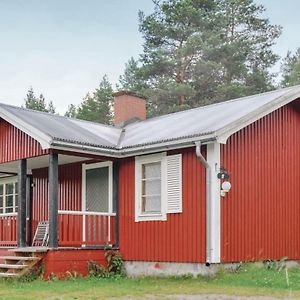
(69, 191)
(260, 215)
(15, 144)
(182, 237)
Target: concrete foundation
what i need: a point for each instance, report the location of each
(165, 269)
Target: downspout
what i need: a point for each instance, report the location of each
(208, 202)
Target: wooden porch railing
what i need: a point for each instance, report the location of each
(8, 230)
(77, 228)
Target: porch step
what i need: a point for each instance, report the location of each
(10, 266)
(17, 266)
(19, 258)
(6, 274)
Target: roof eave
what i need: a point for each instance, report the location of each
(44, 139)
(133, 151)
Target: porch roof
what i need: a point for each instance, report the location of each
(211, 122)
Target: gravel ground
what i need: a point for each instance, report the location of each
(202, 297)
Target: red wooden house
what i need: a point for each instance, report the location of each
(157, 189)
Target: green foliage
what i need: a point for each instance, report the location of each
(114, 266)
(198, 52)
(251, 280)
(71, 111)
(51, 108)
(132, 80)
(38, 103)
(277, 265)
(96, 270)
(291, 69)
(96, 107)
(34, 274)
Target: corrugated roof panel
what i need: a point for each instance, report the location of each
(194, 122)
(197, 121)
(67, 129)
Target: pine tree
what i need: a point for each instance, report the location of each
(71, 111)
(41, 104)
(202, 51)
(51, 108)
(96, 107)
(132, 80)
(290, 69)
(30, 100)
(38, 103)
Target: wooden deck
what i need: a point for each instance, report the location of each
(30, 249)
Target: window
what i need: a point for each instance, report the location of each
(151, 187)
(158, 186)
(97, 187)
(8, 195)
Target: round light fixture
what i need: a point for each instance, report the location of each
(226, 186)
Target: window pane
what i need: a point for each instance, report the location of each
(97, 189)
(1, 189)
(16, 203)
(16, 188)
(9, 188)
(151, 170)
(9, 209)
(151, 204)
(9, 201)
(1, 201)
(152, 187)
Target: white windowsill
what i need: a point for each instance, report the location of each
(151, 217)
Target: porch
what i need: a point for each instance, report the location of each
(76, 194)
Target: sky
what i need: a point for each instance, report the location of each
(62, 48)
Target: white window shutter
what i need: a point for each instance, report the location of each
(174, 183)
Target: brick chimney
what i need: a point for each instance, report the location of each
(128, 107)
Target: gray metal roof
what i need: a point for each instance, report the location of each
(195, 122)
(67, 129)
(198, 123)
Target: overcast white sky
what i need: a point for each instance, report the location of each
(63, 47)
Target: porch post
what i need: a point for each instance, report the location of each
(53, 200)
(29, 209)
(22, 170)
(116, 199)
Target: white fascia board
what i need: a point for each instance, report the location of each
(213, 206)
(43, 139)
(224, 133)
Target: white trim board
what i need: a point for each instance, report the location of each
(85, 167)
(139, 161)
(213, 208)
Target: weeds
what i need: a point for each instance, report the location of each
(114, 266)
(278, 265)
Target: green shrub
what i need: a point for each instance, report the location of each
(114, 266)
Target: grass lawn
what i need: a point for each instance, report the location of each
(249, 281)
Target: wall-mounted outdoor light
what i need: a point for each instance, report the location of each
(225, 188)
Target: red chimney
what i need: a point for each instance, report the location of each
(128, 106)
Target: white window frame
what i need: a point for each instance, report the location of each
(139, 161)
(4, 181)
(98, 165)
